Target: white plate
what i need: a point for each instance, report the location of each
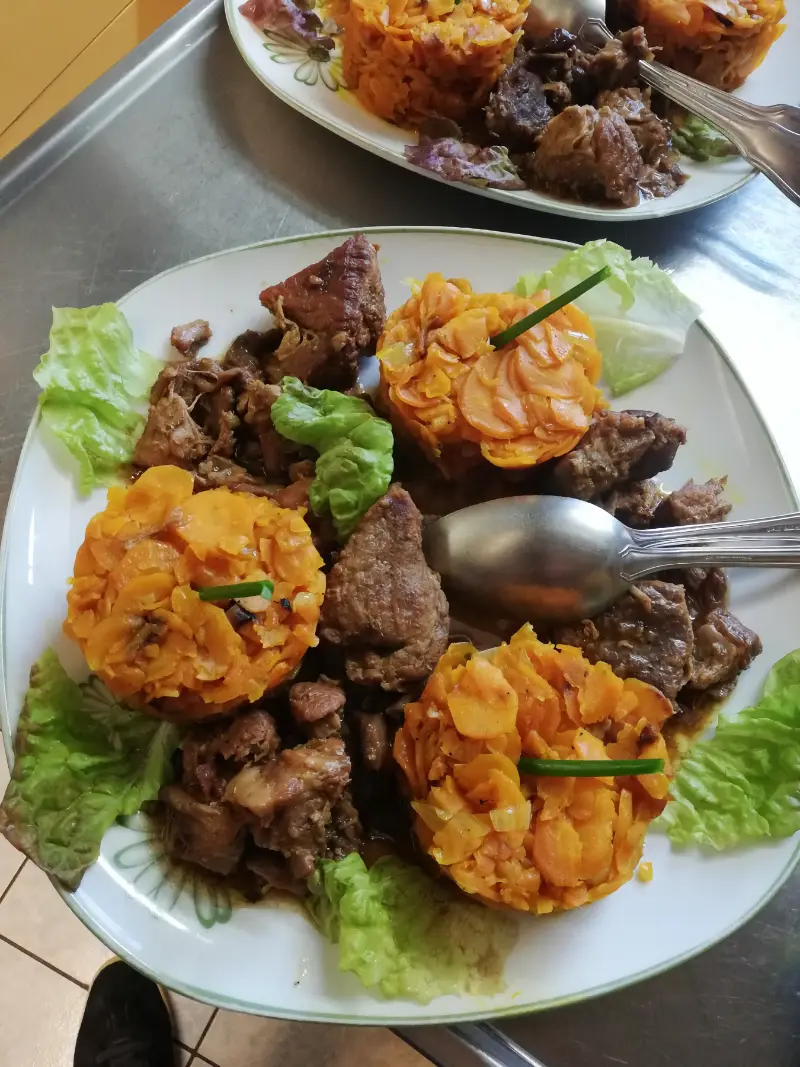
(314, 88)
(270, 961)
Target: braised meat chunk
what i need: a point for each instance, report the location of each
(723, 648)
(619, 446)
(694, 504)
(292, 798)
(171, 436)
(331, 311)
(213, 753)
(211, 835)
(646, 635)
(316, 707)
(518, 110)
(383, 603)
(634, 503)
(190, 338)
(588, 154)
(614, 66)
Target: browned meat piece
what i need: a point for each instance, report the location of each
(215, 472)
(650, 132)
(191, 414)
(251, 350)
(723, 648)
(588, 154)
(661, 175)
(399, 669)
(619, 446)
(706, 590)
(616, 65)
(190, 338)
(374, 736)
(382, 595)
(694, 504)
(312, 701)
(344, 833)
(292, 797)
(211, 754)
(338, 308)
(316, 706)
(646, 635)
(296, 774)
(209, 835)
(634, 503)
(668, 437)
(518, 110)
(255, 404)
(171, 436)
(192, 378)
(299, 832)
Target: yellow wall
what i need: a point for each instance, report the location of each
(52, 49)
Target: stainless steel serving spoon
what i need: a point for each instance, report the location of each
(767, 137)
(554, 559)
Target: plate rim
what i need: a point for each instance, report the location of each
(249, 1007)
(565, 208)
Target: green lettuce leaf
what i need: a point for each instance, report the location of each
(699, 140)
(82, 760)
(743, 784)
(355, 449)
(640, 316)
(406, 935)
(95, 384)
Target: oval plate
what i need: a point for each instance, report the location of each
(190, 938)
(315, 89)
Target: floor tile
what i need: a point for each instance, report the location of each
(249, 1041)
(34, 916)
(189, 1017)
(182, 1057)
(10, 859)
(39, 1013)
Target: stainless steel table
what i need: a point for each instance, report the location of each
(180, 151)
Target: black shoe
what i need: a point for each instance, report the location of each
(126, 1022)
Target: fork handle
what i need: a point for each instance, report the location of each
(769, 145)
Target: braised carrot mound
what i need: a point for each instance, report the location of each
(133, 606)
(536, 844)
(465, 401)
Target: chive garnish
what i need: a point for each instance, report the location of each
(589, 768)
(550, 308)
(262, 588)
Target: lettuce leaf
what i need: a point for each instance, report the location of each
(355, 449)
(640, 316)
(95, 383)
(743, 784)
(699, 140)
(407, 935)
(459, 161)
(82, 760)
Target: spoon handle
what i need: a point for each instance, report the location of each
(648, 555)
(703, 532)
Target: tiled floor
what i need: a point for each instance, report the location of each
(48, 959)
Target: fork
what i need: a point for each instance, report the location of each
(768, 137)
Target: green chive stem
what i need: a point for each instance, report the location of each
(262, 588)
(589, 768)
(511, 333)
